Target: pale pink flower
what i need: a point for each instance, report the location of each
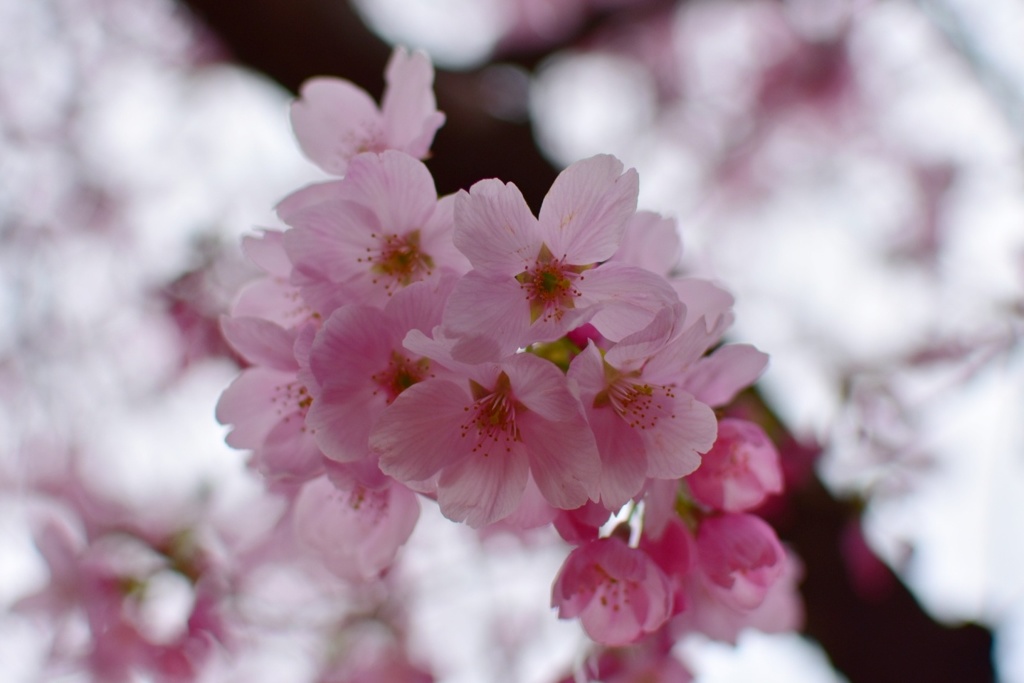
(484, 434)
(740, 470)
(267, 403)
(361, 239)
(335, 120)
(357, 532)
(740, 558)
(534, 279)
(645, 424)
(618, 592)
(360, 365)
(781, 608)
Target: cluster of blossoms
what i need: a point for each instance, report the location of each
(520, 370)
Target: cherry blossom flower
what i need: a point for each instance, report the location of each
(335, 120)
(267, 404)
(741, 558)
(645, 425)
(618, 592)
(534, 279)
(363, 238)
(357, 532)
(361, 366)
(485, 434)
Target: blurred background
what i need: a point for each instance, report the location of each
(851, 170)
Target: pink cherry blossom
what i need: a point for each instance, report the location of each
(360, 365)
(266, 405)
(357, 532)
(739, 471)
(335, 120)
(740, 557)
(378, 230)
(534, 279)
(485, 433)
(645, 425)
(618, 592)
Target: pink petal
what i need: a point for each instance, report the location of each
(482, 489)
(409, 108)
(629, 298)
(308, 196)
(540, 386)
(248, 403)
(685, 429)
(289, 451)
(419, 433)
(267, 251)
(260, 342)
(398, 189)
(717, 379)
(330, 240)
(334, 120)
(489, 310)
(623, 458)
(495, 229)
(563, 459)
(585, 213)
(651, 242)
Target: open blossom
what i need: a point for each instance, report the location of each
(266, 405)
(534, 279)
(618, 592)
(740, 470)
(356, 532)
(645, 424)
(361, 366)
(335, 120)
(365, 237)
(483, 434)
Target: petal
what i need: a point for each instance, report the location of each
(410, 110)
(493, 312)
(495, 229)
(419, 434)
(249, 405)
(685, 429)
(629, 298)
(330, 240)
(585, 213)
(651, 242)
(267, 251)
(632, 351)
(717, 379)
(623, 457)
(308, 196)
(289, 451)
(540, 386)
(482, 489)
(398, 190)
(563, 459)
(334, 120)
(260, 342)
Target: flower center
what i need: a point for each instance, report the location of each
(492, 417)
(401, 261)
(400, 374)
(549, 286)
(637, 404)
